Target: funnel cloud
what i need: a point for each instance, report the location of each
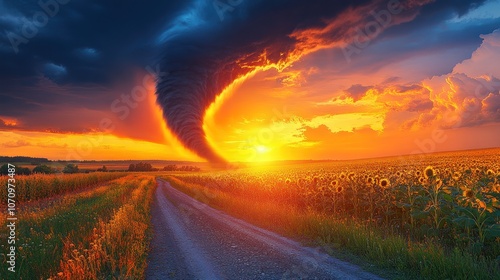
(204, 54)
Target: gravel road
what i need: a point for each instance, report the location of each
(194, 241)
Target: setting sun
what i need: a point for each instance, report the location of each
(261, 149)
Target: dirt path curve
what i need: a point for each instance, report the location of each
(194, 241)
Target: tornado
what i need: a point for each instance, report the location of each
(204, 52)
(192, 84)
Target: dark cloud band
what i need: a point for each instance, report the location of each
(202, 60)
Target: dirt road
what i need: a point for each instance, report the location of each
(193, 241)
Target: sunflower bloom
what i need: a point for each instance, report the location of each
(429, 172)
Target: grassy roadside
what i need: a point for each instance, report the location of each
(341, 237)
(116, 248)
(48, 234)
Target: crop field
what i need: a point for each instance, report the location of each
(423, 217)
(436, 216)
(81, 226)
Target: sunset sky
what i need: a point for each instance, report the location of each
(290, 79)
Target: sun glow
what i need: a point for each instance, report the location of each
(261, 149)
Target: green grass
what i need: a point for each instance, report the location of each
(40, 241)
(118, 248)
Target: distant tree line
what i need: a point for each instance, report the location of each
(42, 168)
(141, 166)
(173, 167)
(32, 160)
(39, 169)
(72, 168)
(4, 170)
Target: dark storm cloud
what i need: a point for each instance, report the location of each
(85, 42)
(205, 57)
(86, 48)
(77, 59)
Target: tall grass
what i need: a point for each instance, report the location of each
(45, 231)
(117, 248)
(38, 186)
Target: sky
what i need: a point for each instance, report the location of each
(241, 80)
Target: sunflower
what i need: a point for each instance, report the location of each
(342, 176)
(456, 175)
(384, 183)
(468, 193)
(429, 172)
(340, 189)
(490, 172)
(288, 181)
(421, 180)
(369, 180)
(350, 176)
(334, 183)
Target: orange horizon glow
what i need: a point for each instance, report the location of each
(293, 110)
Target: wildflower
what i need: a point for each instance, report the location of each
(429, 172)
(384, 183)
